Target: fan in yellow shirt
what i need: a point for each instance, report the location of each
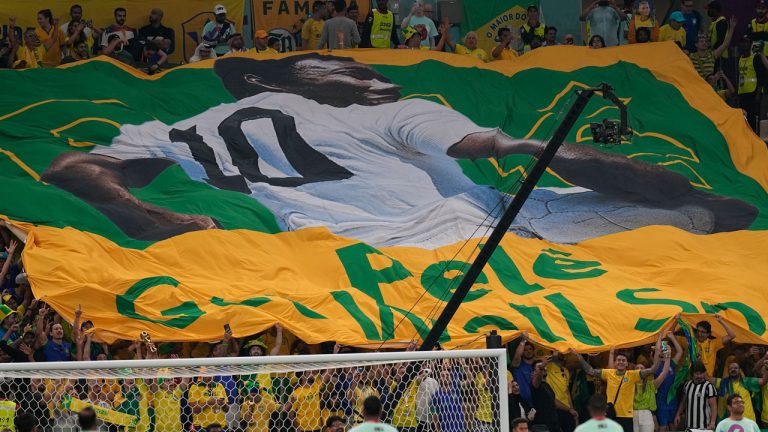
(313, 27)
(484, 412)
(707, 345)
(52, 38)
(257, 408)
(264, 44)
(166, 399)
(673, 31)
(404, 416)
(621, 382)
(305, 402)
(470, 47)
(558, 378)
(360, 389)
(208, 400)
(502, 50)
(31, 56)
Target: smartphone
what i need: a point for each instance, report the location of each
(664, 346)
(227, 329)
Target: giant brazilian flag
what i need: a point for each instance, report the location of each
(344, 195)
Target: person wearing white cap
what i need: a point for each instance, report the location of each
(674, 30)
(219, 31)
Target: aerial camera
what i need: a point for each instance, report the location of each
(611, 132)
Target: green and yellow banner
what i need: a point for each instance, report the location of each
(487, 17)
(107, 415)
(185, 17)
(283, 19)
(344, 196)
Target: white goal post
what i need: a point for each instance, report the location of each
(419, 391)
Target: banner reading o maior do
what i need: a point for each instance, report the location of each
(186, 17)
(340, 195)
(486, 18)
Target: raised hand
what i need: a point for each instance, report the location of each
(26, 349)
(12, 247)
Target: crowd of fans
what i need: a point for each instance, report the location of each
(334, 24)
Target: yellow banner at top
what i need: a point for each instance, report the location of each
(185, 17)
(512, 19)
(283, 19)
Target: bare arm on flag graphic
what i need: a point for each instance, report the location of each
(614, 175)
(104, 183)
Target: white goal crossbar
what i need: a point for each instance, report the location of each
(491, 361)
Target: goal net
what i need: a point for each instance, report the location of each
(446, 391)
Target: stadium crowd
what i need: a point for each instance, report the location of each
(335, 24)
(687, 379)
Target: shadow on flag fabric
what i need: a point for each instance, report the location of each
(344, 196)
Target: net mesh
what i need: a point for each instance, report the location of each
(430, 394)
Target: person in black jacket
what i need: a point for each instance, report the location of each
(543, 400)
(518, 407)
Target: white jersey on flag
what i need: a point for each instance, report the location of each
(403, 189)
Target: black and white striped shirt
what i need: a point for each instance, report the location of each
(697, 412)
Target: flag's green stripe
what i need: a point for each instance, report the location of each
(173, 190)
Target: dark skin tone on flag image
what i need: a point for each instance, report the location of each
(104, 182)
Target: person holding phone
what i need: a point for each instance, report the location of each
(604, 18)
(721, 85)
(415, 17)
(76, 15)
(666, 407)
